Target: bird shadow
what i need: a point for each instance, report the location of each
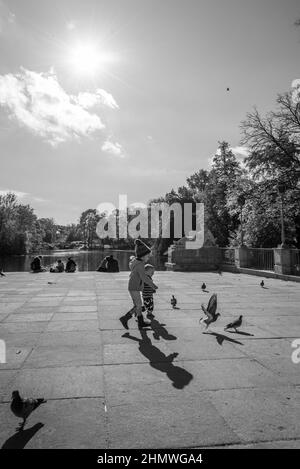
(265, 288)
(20, 439)
(221, 338)
(205, 291)
(175, 307)
(241, 333)
(158, 360)
(160, 331)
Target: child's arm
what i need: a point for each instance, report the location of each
(145, 277)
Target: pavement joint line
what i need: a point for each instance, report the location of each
(241, 442)
(71, 398)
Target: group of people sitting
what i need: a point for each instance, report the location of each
(37, 266)
(109, 264)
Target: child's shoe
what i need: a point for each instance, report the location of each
(124, 320)
(142, 323)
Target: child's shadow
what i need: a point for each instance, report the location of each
(20, 439)
(158, 360)
(160, 331)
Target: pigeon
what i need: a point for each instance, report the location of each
(235, 324)
(173, 301)
(2, 273)
(203, 286)
(23, 407)
(262, 283)
(210, 311)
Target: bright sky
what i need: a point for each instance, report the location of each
(106, 97)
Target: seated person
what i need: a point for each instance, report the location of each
(58, 268)
(36, 264)
(103, 266)
(71, 265)
(112, 264)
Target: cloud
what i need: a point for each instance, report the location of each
(113, 148)
(24, 195)
(240, 152)
(19, 194)
(71, 25)
(6, 18)
(296, 91)
(39, 103)
(88, 100)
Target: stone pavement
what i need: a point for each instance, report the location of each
(169, 386)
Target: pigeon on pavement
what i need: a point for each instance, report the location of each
(203, 286)
(22, 407)
(262, 283)
(173, 301)
(210, 311)
(235, 324)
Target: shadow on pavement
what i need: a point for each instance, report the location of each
(241, 333)
(221, 338)
(20, 439)
(158, 360)
(160, 331)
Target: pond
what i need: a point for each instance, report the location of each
(85, 260)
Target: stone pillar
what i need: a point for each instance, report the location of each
(282, 261)
(242, 256)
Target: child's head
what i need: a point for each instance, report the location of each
(149, 269)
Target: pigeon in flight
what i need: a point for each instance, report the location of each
(235, 324)
(22, 407)
(173, 301)
(203, 286)
(262, 283)
(210, 311)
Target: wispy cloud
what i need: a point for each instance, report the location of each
(25, 196)
(296, 90)
(7, 17)
(19, 194)
(240, 152)
(39, 103)
(71, 25)
(113, 148)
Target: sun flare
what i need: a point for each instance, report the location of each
(88, 59)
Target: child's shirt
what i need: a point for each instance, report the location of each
(137, 276)
(148, 290)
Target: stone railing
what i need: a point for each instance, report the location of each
(276, 260)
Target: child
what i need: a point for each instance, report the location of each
(137, 278)
(148, 292)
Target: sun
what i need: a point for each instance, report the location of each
(88, 59)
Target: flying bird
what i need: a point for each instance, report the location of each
(173, 301)
(262, 283)
(203, 286)
(210, 311)
(22, 407)
(235, 324)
